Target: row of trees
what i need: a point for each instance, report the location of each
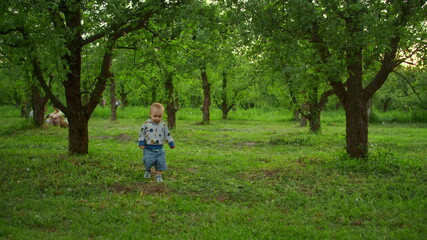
(296, 52)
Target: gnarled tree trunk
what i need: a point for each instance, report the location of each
(38, 103)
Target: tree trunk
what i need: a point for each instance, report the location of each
(76, 114)
(78, 134)
(38, 103)
(124, 100)
(356, 128)
(171, 111)
(113, 99)
(314, 107)
(225, 106)
(171, 108)
(24, 110)
(123, 95)
(224, 115)
(386, 104)
(296, 115)
(356, 108)
(206, 96)
(314, 120)
(303, 121)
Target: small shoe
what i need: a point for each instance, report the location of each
(147, 175)
(159, 178)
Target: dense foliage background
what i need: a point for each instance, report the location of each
(363, 57)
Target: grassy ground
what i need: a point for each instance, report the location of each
(235, 179)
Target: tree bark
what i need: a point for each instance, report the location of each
(355, 105)
(206, 96)
(38, 103)
(24, 110)
(123, 94)
(314, 120)
(78, 133)
(225, 106)
(386, 103)
(304, 110)
(171, 106)
(296, 115)
(78, 139)
(113, 99)
(303, 121)
(356, 128)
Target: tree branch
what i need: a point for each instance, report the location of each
(17, 29)
(119, 29)
(389, 61)
(102, 79)
(324, 98)
(105, 73)
(39, 76)
(387, 65)
(409, 82)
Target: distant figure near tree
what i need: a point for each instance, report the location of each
(57, 118)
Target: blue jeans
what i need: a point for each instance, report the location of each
(156, 158)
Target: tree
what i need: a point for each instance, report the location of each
(161, 57)
(236, 75)
(353, 38)
(233, 66)
(74, 24)
(296, 68)
(203, 40)
(288, 57)
(136, 77)
(370, 32)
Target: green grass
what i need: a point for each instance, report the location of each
(396, 116)
(235, 179)
(194, 114)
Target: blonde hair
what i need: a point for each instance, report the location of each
(157, 107)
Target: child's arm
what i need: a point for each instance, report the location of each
(168, 137)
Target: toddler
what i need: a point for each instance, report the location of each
(153, 134)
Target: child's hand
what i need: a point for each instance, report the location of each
(142, 147)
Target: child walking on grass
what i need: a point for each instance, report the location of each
(153, 134)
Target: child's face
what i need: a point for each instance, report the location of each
(156, 116)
